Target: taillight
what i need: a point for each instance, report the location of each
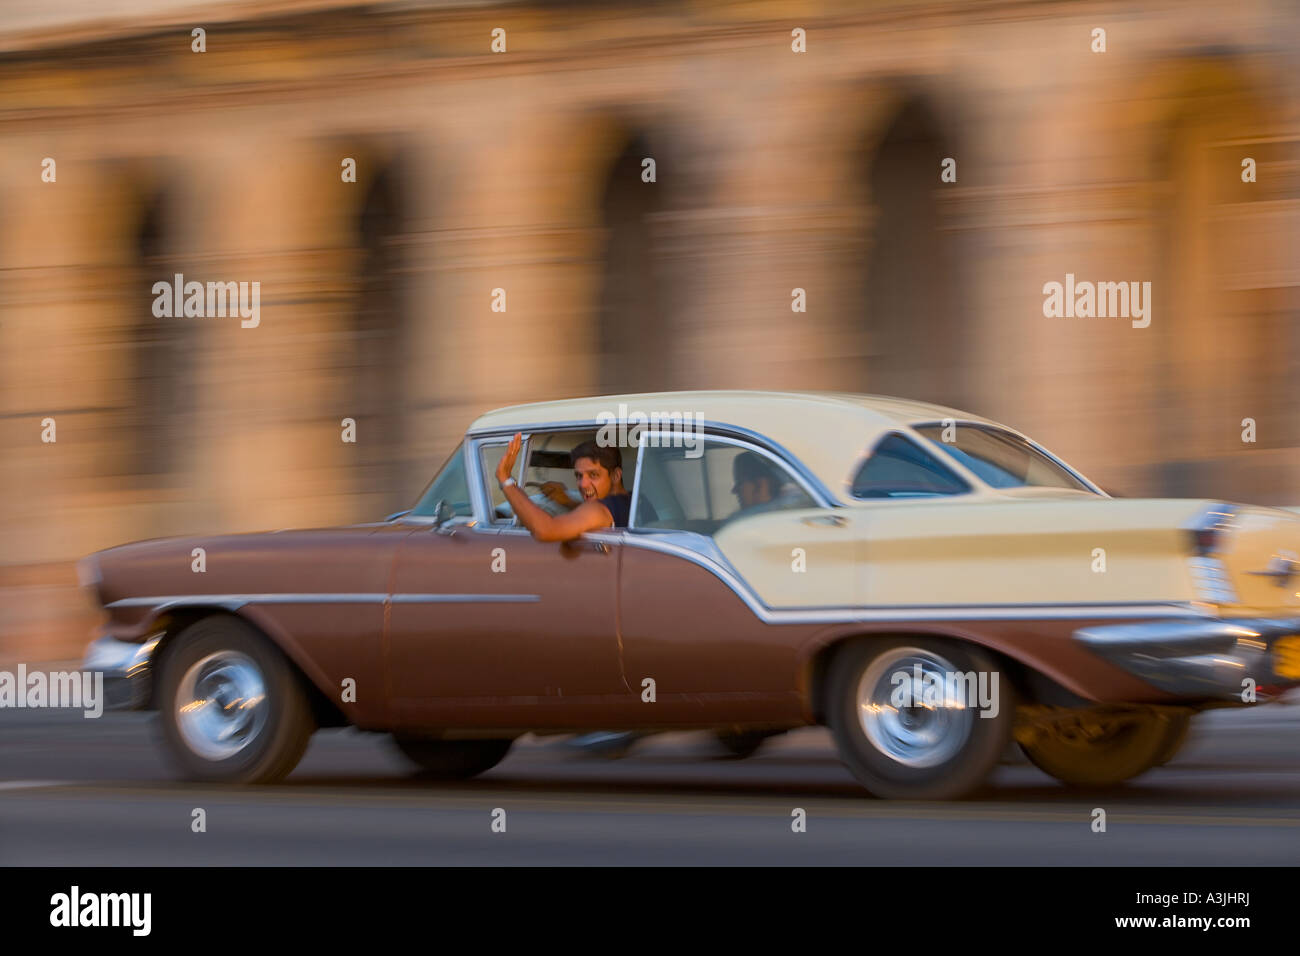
(1210, 527)
(1209, 577)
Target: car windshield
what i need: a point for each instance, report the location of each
(999, 458)
(450, 487)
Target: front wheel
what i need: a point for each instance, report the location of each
(231, 705)
(452, 759)
(919, 718)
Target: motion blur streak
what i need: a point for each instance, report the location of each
(131, 157)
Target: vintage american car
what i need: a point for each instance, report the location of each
(929, 584)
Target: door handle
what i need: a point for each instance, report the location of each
(834, 521)
(575, 546)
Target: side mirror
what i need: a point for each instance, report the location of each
(442, 513)
(443, 519)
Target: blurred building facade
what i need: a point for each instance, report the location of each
(524, 171)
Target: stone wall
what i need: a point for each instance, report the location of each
(1114, 166)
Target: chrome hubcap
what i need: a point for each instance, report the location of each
(221, 704)
(908, 708)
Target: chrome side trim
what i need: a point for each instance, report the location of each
(466, 598)
(696, 551)
(233, 601)
(635, 490)
(478, 491)
(164, 601)
(1064, 464)
(1195, 658)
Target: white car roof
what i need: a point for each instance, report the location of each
(827, 431)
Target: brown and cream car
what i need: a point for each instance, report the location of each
(927, 583)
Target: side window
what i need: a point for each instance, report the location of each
(1001, 459)
(549, 477)
(489, 456)
(900, 468)
(450, 486)
(549, 464)
(544, 471)
(700, 489)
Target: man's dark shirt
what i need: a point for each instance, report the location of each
(620, 506)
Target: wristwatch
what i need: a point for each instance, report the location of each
(508, 482)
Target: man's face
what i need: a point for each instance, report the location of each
(753, 491)
(594, 479)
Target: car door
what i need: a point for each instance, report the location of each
(690, 619)
(490, 628)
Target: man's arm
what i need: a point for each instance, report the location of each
(589, 516)
(555, 491)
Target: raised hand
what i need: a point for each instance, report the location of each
(507, 463)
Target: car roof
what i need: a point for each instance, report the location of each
(827, 431)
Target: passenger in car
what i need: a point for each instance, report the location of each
(760, 486)
(605, 504)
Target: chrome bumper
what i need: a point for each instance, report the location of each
(1198, 657)
(128, 676)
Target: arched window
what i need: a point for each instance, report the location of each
(912, 320)
(378, 355)
(635, 334)
(162, 386)
(1224, 323)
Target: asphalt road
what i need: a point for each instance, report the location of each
(98, 792)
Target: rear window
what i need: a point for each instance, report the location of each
(900, 468)
(1001, 459)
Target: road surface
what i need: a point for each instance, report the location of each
(98, 792)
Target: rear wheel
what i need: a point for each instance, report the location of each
(1180, 727)
(452, 759)
(231, 705)
(906, 724)
(1106, 749)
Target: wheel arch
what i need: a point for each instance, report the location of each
(175, 620)
(1031, 685)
